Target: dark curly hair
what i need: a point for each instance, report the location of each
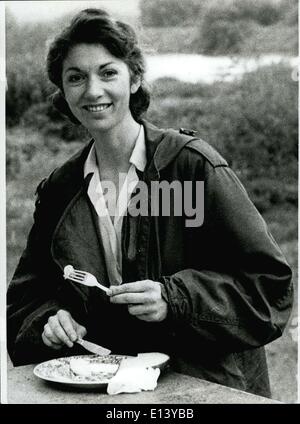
(94, 26)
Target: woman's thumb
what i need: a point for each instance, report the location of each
(81, 331)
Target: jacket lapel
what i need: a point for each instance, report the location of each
(76, 240)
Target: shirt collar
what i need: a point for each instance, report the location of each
(90, 165)
(138, 156)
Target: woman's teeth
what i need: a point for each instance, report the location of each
(96, 108)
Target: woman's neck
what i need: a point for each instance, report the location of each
(114, 147)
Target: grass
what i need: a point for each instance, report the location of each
(282, 354)
(282, 221)
(21, 189)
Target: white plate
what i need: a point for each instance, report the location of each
(58, 370)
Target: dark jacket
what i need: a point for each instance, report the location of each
(227, 284)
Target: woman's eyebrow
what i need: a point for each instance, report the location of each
(106, 64)
(74, 68)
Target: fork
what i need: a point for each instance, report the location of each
(83, 277)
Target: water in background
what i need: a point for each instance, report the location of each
(208, 69)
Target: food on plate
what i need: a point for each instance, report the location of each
(145, 360)
(85, 368)
(67, 270)
(152, 359)
(95, 370)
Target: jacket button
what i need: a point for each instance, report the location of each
(187, 132)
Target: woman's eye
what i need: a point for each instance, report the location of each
(75, 78)
(110, 73)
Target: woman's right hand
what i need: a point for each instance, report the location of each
(61, 329)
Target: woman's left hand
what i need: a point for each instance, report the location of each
(143, 298)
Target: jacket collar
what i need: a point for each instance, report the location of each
(162, 146)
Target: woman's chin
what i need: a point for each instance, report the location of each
(98, 125)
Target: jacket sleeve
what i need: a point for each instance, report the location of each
(243, 298)
(34, 293)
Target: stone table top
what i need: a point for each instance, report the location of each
(173, 388)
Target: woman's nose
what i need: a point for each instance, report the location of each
(94, 87)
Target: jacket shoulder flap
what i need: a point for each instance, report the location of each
(40, 187)
(207, 151)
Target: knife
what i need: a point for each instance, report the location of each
(94, 348)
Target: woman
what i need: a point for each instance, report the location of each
(209, 293)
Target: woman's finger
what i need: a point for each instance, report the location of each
(152, 317)
(80, 329)
(51, 335)
(49, 343)
(127, 298)
(67, 323)
(135, 287)
(137, 310)
(58, 331)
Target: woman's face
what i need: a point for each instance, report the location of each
(97, 87)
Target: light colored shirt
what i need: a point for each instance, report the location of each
(111, 231)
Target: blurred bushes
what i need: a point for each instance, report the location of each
(269, 192)
(49, 121)
(27, 82)
(165, 13)
(290, 11)
(29, 152)
(26, 85)
(222, 27)
(221, 36)
(225, 26)
(277, 38)
(259, 110)
(167, 87)
(265, 12)
(168, 39)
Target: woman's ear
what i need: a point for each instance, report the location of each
(135, 85)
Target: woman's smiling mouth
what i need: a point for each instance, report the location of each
(97, 108)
